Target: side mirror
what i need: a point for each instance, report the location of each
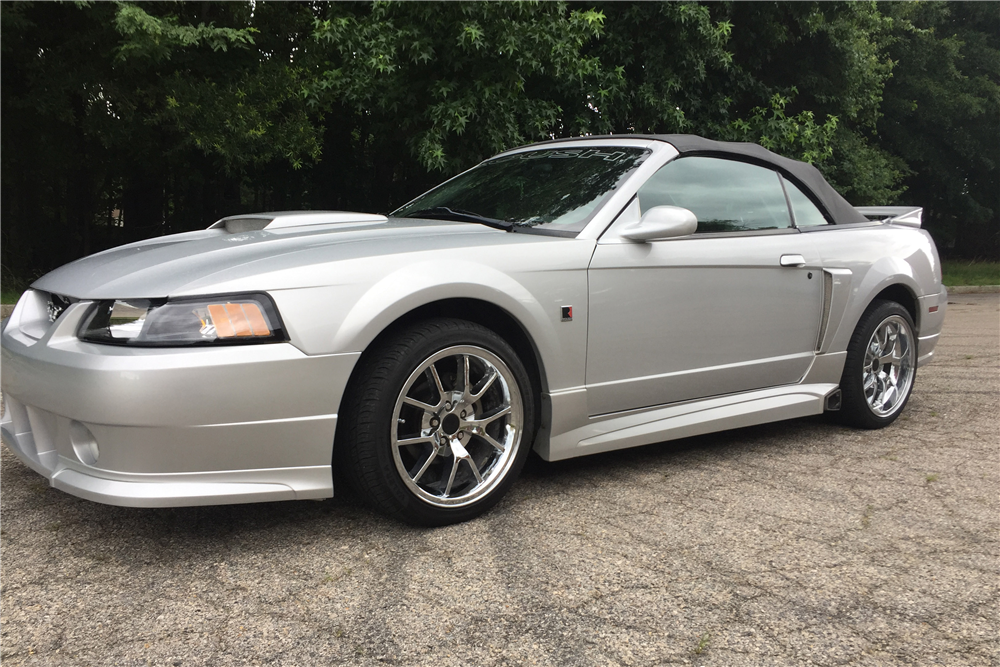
(661, 222)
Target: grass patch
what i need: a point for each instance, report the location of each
(958, 272)
(10, 295)
(12, 287)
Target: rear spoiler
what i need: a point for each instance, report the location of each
(909, 216)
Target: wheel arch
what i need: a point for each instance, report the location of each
(904, 296)
(482, 312)
(479, 311)
(900, 292)
(889, 278)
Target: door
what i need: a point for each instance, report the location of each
(734, 307)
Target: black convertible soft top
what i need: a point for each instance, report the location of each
(837, 209)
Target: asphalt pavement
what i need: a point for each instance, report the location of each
(794, 543)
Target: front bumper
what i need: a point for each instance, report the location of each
(161, 427)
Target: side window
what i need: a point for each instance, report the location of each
(725, 195)
(805, 212)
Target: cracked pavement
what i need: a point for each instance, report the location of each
(794, 543)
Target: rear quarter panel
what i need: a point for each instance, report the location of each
(878, 257)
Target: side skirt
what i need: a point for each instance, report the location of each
(605, 433)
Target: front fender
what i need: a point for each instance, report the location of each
(561, 345)
(419, 284)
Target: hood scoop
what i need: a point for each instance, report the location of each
(254, 222)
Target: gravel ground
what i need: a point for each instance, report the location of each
(788, 544)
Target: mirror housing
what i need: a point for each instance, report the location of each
(661, 222)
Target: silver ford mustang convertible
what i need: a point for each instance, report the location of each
(570, 297)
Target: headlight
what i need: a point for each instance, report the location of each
(221, 320)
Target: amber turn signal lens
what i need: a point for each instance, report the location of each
(238, 319)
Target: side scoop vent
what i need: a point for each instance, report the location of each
(254, 222)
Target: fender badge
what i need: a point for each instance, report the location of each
(567, 313)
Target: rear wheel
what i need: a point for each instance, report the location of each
(438, 422)
(880, 368)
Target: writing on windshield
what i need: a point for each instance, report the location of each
(557, 187)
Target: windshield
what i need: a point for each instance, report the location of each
(555, 188)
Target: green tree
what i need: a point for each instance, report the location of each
(941, 115)
(457, 82)
(827, 59)
(155, 110)
(127, 120)
(674, 59)
(804, 79)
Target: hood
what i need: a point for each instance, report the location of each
(192, 262)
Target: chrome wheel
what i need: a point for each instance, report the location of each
(457, 426)
(889, 362)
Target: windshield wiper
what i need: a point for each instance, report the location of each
(445, 213)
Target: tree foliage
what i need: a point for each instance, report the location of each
(941, 116)
(126, 120)
(457, 81)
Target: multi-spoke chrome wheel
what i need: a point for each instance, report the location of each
(880, 367)
(456, 426)
(437, 423)
(888, 366)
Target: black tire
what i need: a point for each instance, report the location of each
(456, 474)
(861, 407)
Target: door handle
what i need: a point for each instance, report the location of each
(792, 260)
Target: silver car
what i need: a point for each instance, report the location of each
(571, 297)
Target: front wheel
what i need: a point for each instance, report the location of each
(880, 368)
(438, 423)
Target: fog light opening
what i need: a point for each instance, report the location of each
(84, 443)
